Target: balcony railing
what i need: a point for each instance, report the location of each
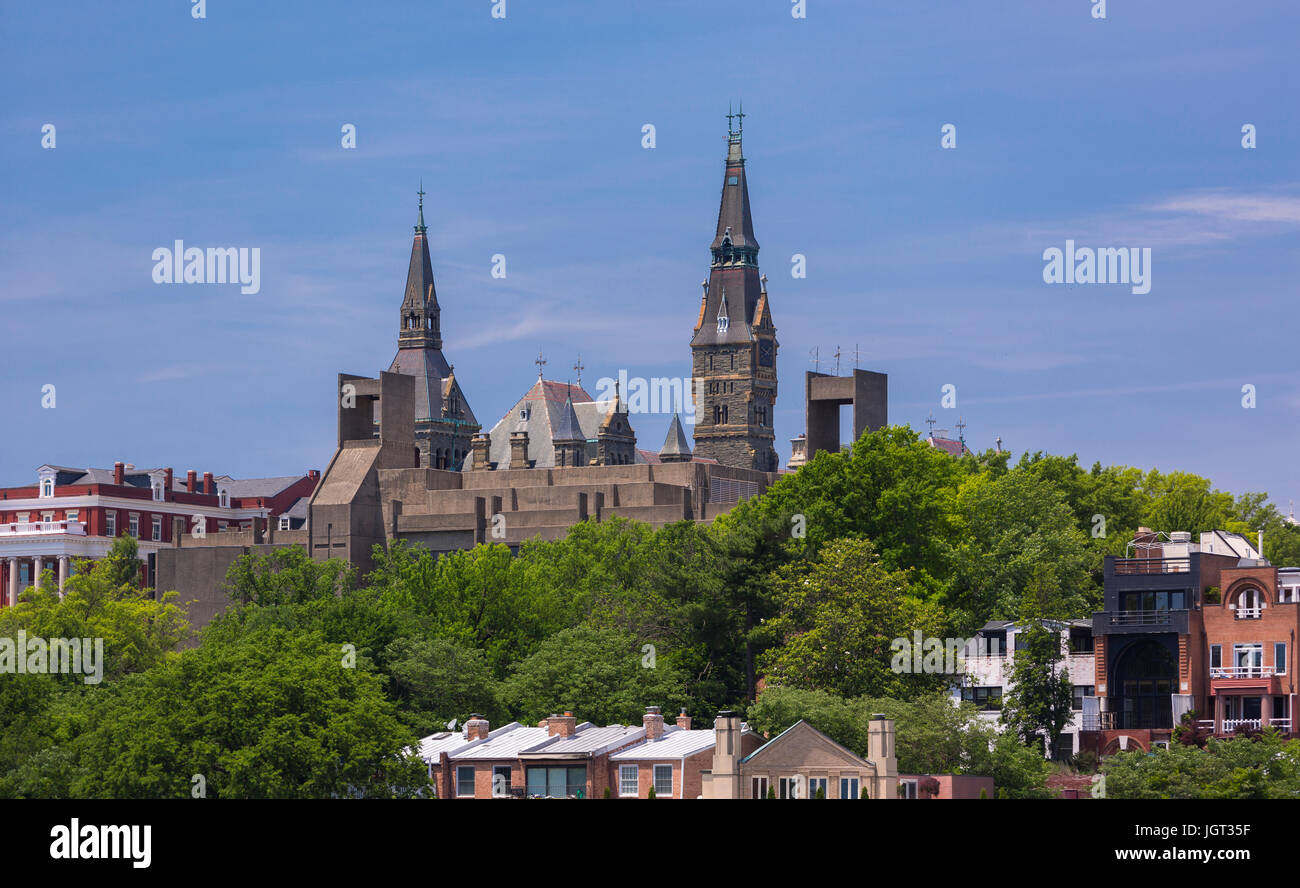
(14, 528)
(1241, 671)
(1102, 721)
(1131, 566)
(1249, 613)
(1139, 618)
(1231, 724)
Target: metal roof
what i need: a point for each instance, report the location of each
(674, 744)
(505, 742)
(590, 740)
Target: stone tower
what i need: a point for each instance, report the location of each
(444, 424)
(734, 347)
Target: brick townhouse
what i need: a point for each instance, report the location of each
(560, 758)
(1207, 628)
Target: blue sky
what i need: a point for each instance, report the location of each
(527, 135)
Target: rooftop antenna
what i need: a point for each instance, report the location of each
(961, 432)
(837, 360)
(931, 421)
(540, 362)
(815, 351)
(856, 355)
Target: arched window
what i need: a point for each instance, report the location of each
(47, 487)
(1250, 604)
(223, 498)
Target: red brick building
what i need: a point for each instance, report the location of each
(74, 513)
(1208, 628)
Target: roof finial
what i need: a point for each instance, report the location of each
(540, 362)
(419, 225)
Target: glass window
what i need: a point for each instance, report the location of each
(627, 780)
(157, 528)
(1216, 656)
(664, 780)
(815, 785)
(465, 781)
(987, 698)
(133, 526)
(907, 789)
(110, 523)
(1279, 657)
(72, 515)
(849, 788)
(501, 782)
(1078, 692)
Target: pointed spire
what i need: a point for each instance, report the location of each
(419, 225)
(676, 448)
(567, 427)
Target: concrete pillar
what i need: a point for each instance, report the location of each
(38, 564)
(1265, 710)
(1218, 714)
(13, 581)
(63, 572)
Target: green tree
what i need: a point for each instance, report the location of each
(1009, 527)
(603, 674)
(839, 615)
(434, 680)
(275, 716)
(1037, 705)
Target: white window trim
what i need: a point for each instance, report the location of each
(1279, 666)
(654, 780)
(133, 524)
(636, 781)
(155, 531)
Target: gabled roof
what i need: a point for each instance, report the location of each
(802, 726)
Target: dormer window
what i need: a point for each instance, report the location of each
(157, 492)
(223, 498)
(47, 488)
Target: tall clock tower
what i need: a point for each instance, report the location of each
(733, 351)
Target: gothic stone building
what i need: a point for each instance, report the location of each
(444, 423)
(734, 347)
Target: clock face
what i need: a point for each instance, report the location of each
(766, 353)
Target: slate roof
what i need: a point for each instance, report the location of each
(675, 444)
(543, 412)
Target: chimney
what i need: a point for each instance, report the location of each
(881, 751)
(724, 778)
(1261, 544)
(518, 450)
(314, 474)
(477, 727)
(653, 722)
(562, 725)
(167, 484)
(207, 484)
(684, 720)
(481, 445)
(119, 474)
(190, 477)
